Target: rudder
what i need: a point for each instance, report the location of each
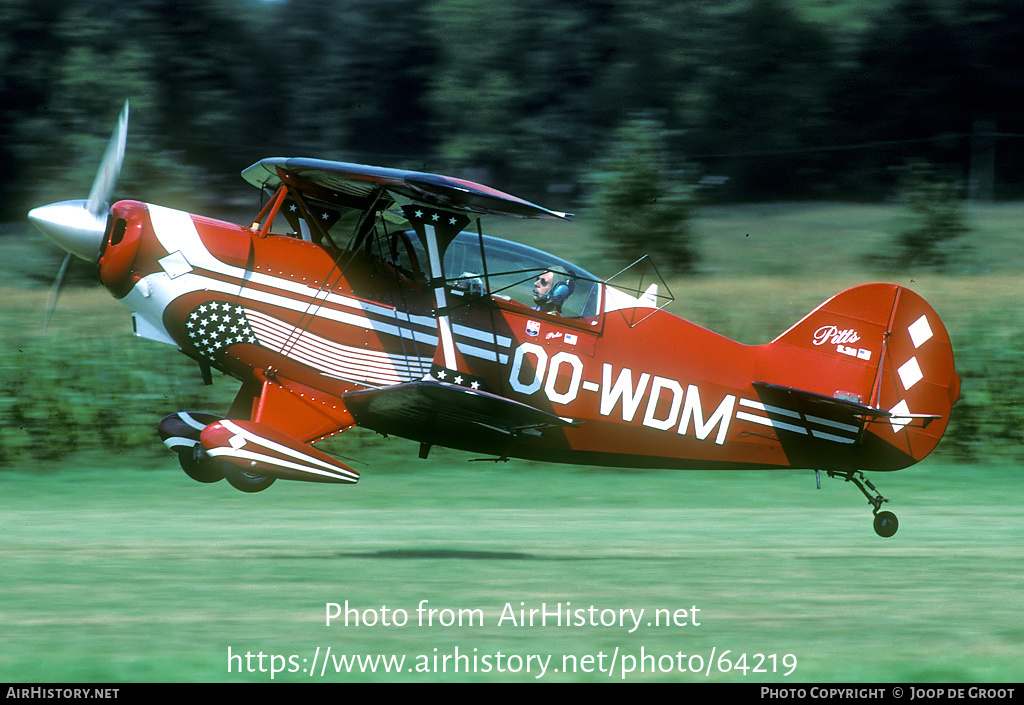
(917, 383)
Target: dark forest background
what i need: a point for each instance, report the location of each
(752, 99)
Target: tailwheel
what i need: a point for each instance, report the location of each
(885, 523)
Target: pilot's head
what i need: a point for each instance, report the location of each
(552, 288)
(542, 287)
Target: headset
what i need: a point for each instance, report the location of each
(561, 287)
(561, 291)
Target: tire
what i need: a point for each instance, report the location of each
(198, 469)
(886, 524)
(247, 481)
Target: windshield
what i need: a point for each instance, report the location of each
(511, 270)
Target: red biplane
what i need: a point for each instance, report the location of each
(366, 296)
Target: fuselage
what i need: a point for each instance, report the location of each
(644, 387)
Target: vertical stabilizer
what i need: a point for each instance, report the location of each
(882, 346)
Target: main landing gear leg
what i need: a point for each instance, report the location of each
(886, 523)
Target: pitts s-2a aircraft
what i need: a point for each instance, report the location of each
(367, 296)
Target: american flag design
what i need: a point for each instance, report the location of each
(215, 325)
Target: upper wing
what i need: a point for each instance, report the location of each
(346, 181)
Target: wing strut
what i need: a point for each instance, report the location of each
(436, 228)
(444, 330)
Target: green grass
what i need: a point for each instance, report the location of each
(134, 575)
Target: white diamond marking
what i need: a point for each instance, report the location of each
(175, 264)
(910, 373)
(898, 411)
(920, 331)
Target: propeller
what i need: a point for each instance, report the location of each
(78, 226)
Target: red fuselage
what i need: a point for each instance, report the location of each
(659, 393)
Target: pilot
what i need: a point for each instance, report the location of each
(551, 289)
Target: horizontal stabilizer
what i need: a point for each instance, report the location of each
(823, 417)
(809, 401)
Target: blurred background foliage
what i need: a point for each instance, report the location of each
(637, 111)
(643, 203)
(774, 98)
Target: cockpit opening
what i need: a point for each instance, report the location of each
(477, 265)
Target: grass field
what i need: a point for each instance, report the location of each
(118, 568)
(115, 574)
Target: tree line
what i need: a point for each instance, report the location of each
(753, 99)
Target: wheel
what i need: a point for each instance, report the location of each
(247, 481)
(192, 462)
(886, 524)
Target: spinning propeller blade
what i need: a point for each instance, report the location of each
(58, 283)
(110, 168)
(77, 226)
